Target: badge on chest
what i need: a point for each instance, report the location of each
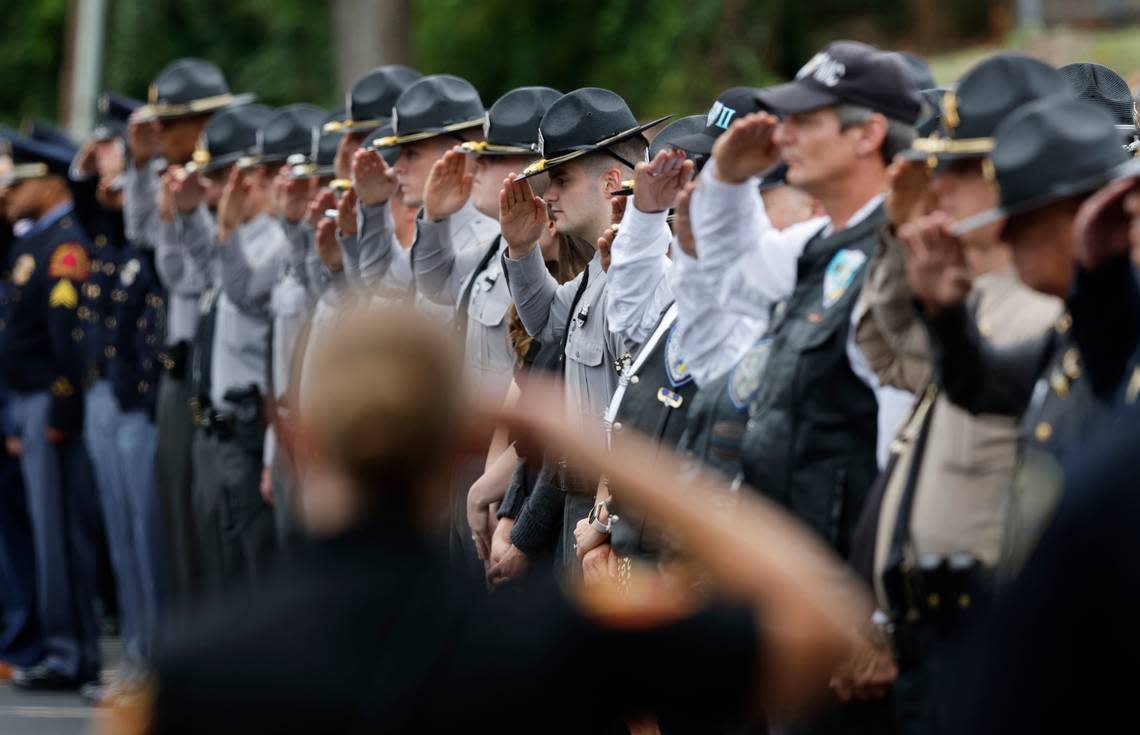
(840, 274)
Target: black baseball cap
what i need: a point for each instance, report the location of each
(854, 73)
(732, 104)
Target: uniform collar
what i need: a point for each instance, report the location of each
(53, 215)
(863, 213)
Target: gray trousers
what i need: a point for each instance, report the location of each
(235, 526)
(174, 474)
(63, 512)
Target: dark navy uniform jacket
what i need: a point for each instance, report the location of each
(39, 335)
(140, 315)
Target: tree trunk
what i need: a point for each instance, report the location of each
(368, 33)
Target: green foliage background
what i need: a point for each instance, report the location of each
(664, 56)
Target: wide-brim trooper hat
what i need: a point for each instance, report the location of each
(930, 119)
(33, 159)
(439, 104)
(289, 132)
(1103, 86)
(1053, 148)
(189, 87)
(114, 111)
(988, 92)
(581, 122)
(665, 139)
(512, 123)
(319, 159)
(229, 135)
(370, 101)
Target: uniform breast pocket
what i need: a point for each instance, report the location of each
(581, 348)
(489, 306)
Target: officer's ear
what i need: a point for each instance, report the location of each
(611, 180)
(871, 135)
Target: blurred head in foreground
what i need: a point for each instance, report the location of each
(379, 430)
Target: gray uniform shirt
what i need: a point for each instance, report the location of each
(386, 267)
(140, 202)
(241, 329)
(182, 258)
(591, 348)
(444, 275)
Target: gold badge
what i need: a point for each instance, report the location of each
(23, 269)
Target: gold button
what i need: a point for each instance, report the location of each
(110, 322)
(1063, 323)
(617, 426)
(109, 351)
(933, 599)
(1043, 432)
(1071, 364)
(635, 380)
(100, 240)
(1059, 384)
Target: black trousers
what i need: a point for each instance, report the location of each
(236, 533)
(174, 475)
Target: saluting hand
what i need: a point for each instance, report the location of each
(935, 262)
(143, 140)
(908, 191)
(1107, 225)
(522, 216)
(448, 186)
(167, 184)
(346, 213)
(328, 249)
(189, 192)
(746, 148)
(657, 183)
(682, 223)
(605, 247)
(372, 178)
(232, 204)
(296, 195)
(318, 205)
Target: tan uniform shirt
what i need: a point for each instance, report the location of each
(963, 483)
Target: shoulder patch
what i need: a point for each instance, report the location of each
(840, 274)
(747, 375)
(675, 366)
(63, 294)
(70, 260)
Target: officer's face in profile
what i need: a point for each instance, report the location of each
(22, 199)
(215, 183)
(179, 136)
(961, 190)
(819, 154)
(577, 196)
(1042, 243)
(488, 175)
(414, 165)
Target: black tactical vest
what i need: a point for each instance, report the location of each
(810, 438)
(658, 396)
